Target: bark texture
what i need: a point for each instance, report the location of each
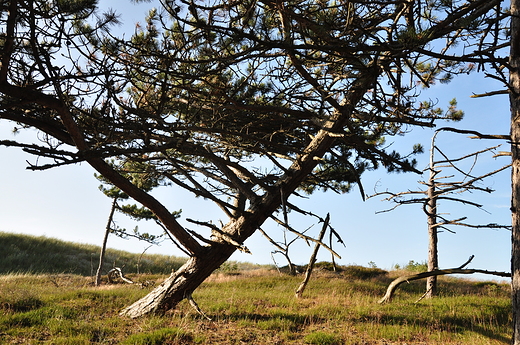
(514, 94)
(431, 209)
(180, 284)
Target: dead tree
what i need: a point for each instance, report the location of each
(105, 240)
(459, 270)
(312, 260)
(117, 272)
(454, 182)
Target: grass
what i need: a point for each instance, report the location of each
(39, 254)
(257, 307)
(47, 297)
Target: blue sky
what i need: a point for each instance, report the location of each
(65, 202)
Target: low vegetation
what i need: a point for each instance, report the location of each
(256, 305)
(39, 254)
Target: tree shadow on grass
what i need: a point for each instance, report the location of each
(296, 319)
(449, 324)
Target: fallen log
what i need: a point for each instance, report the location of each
(394, 284)
(117, 272)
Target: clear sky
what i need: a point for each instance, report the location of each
(65, 202)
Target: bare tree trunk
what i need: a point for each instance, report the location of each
(105, 239)
(431, 210)
(312, 260)
(181, 283)
(514, 96)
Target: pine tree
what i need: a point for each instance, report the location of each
(307, 90)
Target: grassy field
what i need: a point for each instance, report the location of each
(255, 307)
(47, 297)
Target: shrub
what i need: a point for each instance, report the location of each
(416, 266)
(360, 272)
(326, 265)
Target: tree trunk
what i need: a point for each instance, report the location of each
(514, 96)
(181, 283)
(105, 239)
(207, 259)
(431, 209)
(312, 260)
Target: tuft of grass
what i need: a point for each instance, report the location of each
(158, 337)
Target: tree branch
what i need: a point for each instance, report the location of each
(395, 284)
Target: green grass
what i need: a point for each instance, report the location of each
(257, 307)
(322, 338)
(39, 254)
(247, 303)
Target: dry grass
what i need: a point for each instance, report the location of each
(255, 307)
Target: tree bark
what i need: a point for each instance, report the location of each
(431, 211)
(207, 259)
(117, 272)
(182, 283)
(514, 97)
(104, 245)
(312, 260)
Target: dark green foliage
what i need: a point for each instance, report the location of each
(360, 272)
(327, 265)
(76, 6)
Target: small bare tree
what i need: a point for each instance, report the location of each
(312, 260)
(449, 187)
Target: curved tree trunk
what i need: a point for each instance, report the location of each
(181, 283)
(398, 281)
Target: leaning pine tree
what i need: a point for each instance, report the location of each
(308, 90)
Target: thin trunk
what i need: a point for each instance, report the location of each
(290, 266)
(312, 260)
(105, 239)
(514, 94)
(431, 209)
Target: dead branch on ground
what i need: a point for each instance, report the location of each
(459, 270)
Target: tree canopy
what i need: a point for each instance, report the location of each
(242, 103)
